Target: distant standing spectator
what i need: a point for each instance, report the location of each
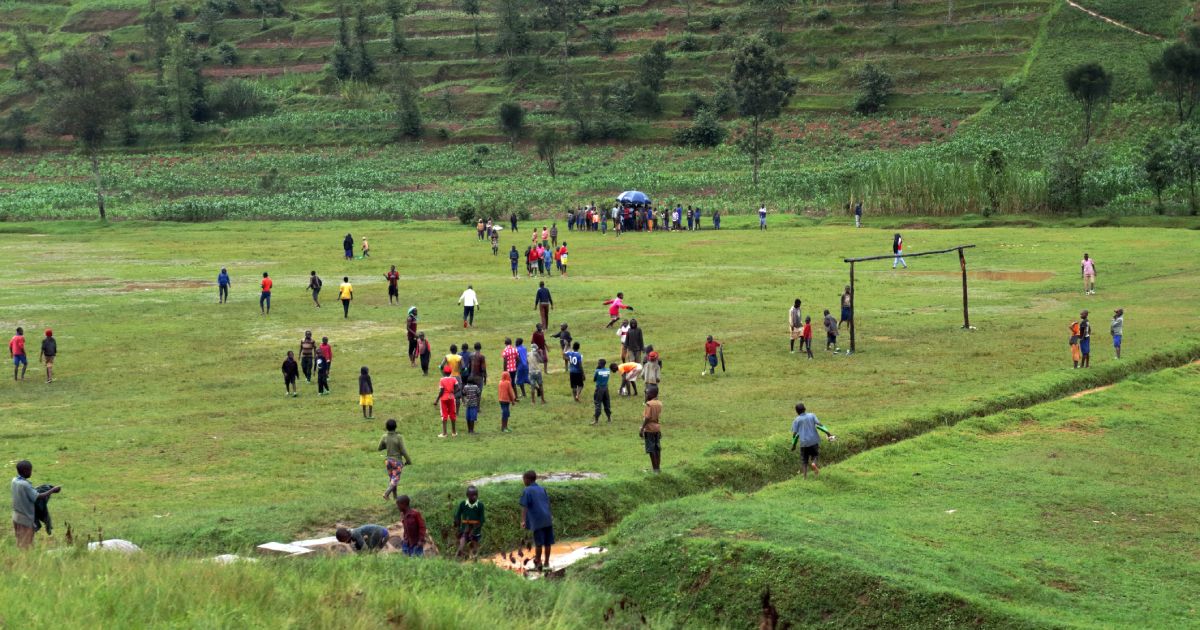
(410, 329)
(522, 366)
(858, 214)
(804, 433)
(622, 332)
(308, 353)
(469, 302)
(762, 217)
(16, 350)
(223, 286)
(264, 300)
(554, 235)
(513, 221)
(716, 219)
(513, 257)
(1085, 340)
(322, 376)
(471, 395)
(831, 332)
(290, 371)
(469, 519)
(795, 324)
(898, 251)
(314, 285)
(537, 362)
(412, 543)
(393, 278)
(806, 337)
(847, 309)
(652, 369)
(562, 259)
(575, 370)
(345, 294)
(543, 303)
(348, 245)
(711, 348)
(423, 352)
(50, 350)
(1087, 267)
(536, 517)
(651, 431)
(479, 365)
(326, 352)
(24, 498)
(495, 238)
(690, 218)
(397, 456)
(366, 394)
(1076, 355)
(1116, 329)
(366, 249)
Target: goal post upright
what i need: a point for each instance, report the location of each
(962, 263)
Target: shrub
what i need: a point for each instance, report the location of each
(227, 54)
(180, 12)
(822, 15)
(466, 213)
(271, 181)
(689, 43)
(875, 86)
(606, 41)
(842, 29)
(512, 120)
(237, 98)
(706, 131)
(716, 21)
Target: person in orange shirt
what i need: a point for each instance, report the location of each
(264, 301)
(629, 375)
(508, 397)
(1076, 353)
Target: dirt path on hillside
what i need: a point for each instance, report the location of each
(1113, 22)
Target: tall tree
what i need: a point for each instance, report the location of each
(512, 28)
(1091, 85)
(874, 89)
(652, 66)
(471, 8)
(1176, 74)
(1159, 169)
(90, 95)
(776, 11)
(549, 142)
(407, 108)
(761, 88)
(512, 121)
(1185, 154)
(364, 66)
(564, 15)
(396, 9)
(341, 64)
(159, 29)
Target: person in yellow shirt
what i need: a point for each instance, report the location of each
(345, 294)
(453, 361)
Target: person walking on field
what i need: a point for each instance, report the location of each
(762, 217)
(795, 325)
(711, 348)
(601, 398)
(314, 285)
(424, 352)
(508, 397)
(50, 350)
(348, 246)
(575, 370)
(1087, 267)
(898, 251)
(410, 329)
(543, 303)
(508, 357)
(397, 456)
(1116, 329)
(345, 294)
(264, 300)
(1085, 340)
(554, 235)
(831, 332)
(716, 219)
(537, 363)
(847, 308)
(536, 517)
(804, 433)
(223, 286)
(469, 302)
(290, 372)
(24, 501)
(366, 249)
(495, 238)
(513, 222)
(479, 365)
(16, 350)
(614, 308)
(651, 431)
(326, 352)
(447, 400)
(858, 214)
(513, 257)
(308, 353)
(393, 278)
(366, 394)
(322, 376)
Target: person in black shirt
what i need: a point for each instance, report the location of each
(290, 371)
(50, 350)
(513, 220)
(543, 303)
(348, 245)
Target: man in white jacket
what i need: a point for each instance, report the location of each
(469, 302)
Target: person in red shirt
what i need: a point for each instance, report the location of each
(447, 388)
(264, 301)
(412, 542)
(16, 349)
(509, 356)
(393, 289)
(710, 354)
(806, 336)
(614, 309)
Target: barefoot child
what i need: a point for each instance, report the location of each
(471, 392)
(806, 336)
(290, 371)
(447, 388)
(1116, 329)
(629, 371)
(469, 518)
(537, 361)
(831, 332)
(397, 456)
(508, 398)
(710, 354)
(366, 394)
(1076, 357)
(651, 431)
(804, 433)
(536, 517)
(575, 370)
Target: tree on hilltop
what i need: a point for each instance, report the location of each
(1091, 85)
(761, 88)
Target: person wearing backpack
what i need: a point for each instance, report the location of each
(314, 285)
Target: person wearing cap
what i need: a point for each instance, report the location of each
(652, 369)
(1116, 329)
(50, 350)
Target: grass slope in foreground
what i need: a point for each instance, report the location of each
(1079, 512)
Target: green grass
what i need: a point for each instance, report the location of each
(153, 372)
(1076, 513)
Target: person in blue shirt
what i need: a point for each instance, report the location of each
(804, 433)
(601, 397)
(575, 369)
(858, 214)
(522, 367)
(513, 256)
(535, 517)
(222, 286)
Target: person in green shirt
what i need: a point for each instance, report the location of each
(397, 456)
(468, 518)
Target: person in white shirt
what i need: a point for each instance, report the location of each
(469, 302)
(762, 217)
(622, 332)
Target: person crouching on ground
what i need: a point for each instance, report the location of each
(364, 538)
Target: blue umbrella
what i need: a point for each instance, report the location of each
(633, 197)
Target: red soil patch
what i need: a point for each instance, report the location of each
(264, 71)
(658, 33)
(95, 21)
(1090, 391)
(164, 284)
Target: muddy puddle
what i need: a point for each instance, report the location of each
(548, 478)
(562, 555)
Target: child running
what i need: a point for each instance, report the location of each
(804, 433)
(397, 456)
(366, 394)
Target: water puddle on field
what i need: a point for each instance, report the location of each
(548, 478)
(1004, 276)
(562, 555)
